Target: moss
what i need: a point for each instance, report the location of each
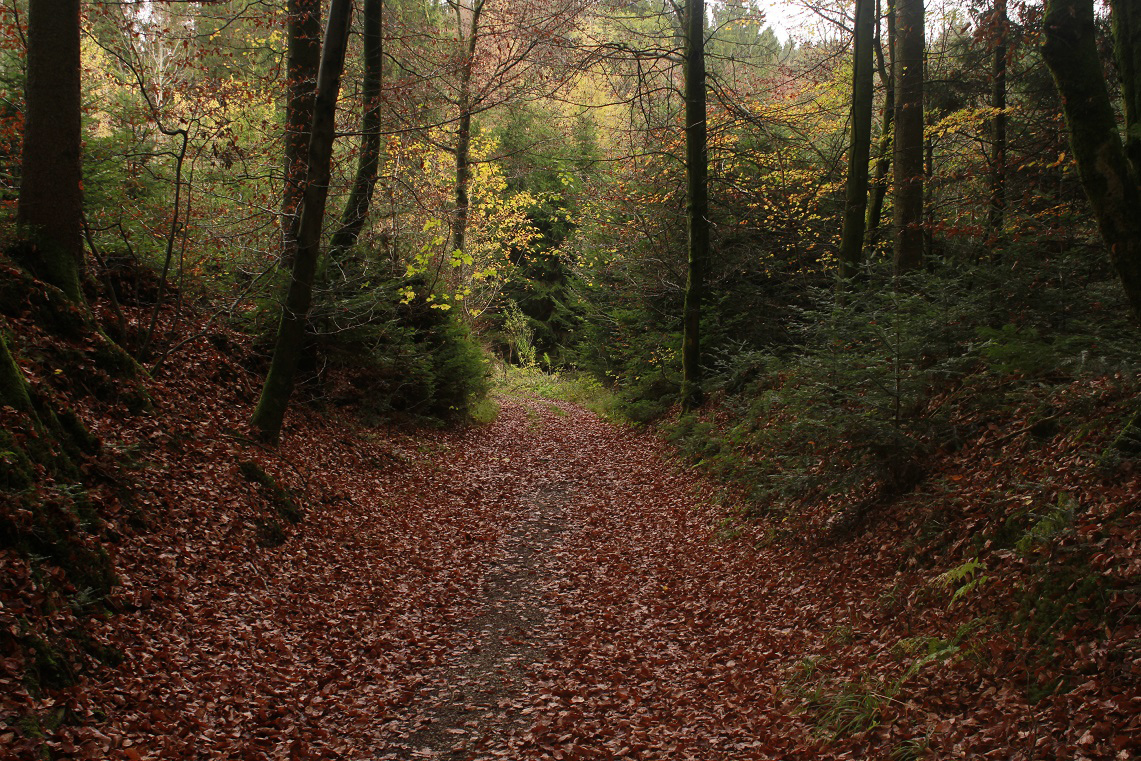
(270, 533)
(1128, 442)
(21, 294)
(280, 499)
(113, 360)
(49, 666)
(76, 432)
(17, 471)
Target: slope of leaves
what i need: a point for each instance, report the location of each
(1003, 618)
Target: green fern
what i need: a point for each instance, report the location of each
(964, 578)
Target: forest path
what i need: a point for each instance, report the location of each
(478, 694)
(580, 645)
(549, 586)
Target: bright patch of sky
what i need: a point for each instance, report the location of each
(803, 20)
(785, 17)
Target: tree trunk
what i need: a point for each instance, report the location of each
(463, 123)
(859, 147)
(697, 211)
(908, 152)
(360, 198)
(997, 209)
(50, 208)
(1127, 41)
(303, 58)
(1070, 51)
(883, 163)
(270, 412)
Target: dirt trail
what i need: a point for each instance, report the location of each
(549, 586)
(575, 649)
(478, 698)
(546, 587)
(482, 687)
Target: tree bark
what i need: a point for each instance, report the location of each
(997, 209)
(270, 412)
(859, 146)
(697, 211)
(50, 209)
(887, 124)
(1127, 43)
(1070, 51)
(303, 59)
(908, 148)
(470, 27)
(360, 197)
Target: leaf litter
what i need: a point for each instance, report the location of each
(549, 586)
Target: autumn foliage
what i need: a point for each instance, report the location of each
(902, 524)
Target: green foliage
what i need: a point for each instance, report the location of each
(911, 749)
(1053, 521)
(839, 709)
(574, 387)
(389, 353)
(1063, 588)
(922, 650)
(859, 386)
(964, 578)
(865, 394)
(520, 336)
(843, 708)
(484, 411)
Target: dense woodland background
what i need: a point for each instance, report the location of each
(909, 306)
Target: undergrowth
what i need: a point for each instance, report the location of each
(567, 386)
(887, 378)
(978, 422)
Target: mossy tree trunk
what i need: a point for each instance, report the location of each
(1070, 51)
(860, 143)
(270, 411)
(1127, 41)
(13, 385)
(360, 197)
(907, 62)
(50, 208)
(697, 211)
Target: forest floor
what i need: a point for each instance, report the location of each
(547, 586)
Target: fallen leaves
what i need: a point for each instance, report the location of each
(546, 587)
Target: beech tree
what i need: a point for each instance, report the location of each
(859, 147)
(907, 63)
(303, 59)
(879, 184)
(1109, 167)
(50, 207)
(269, 414)
(468, 25)
(1000, 30)
(480, 56)
(697, 199)
(360, 197)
